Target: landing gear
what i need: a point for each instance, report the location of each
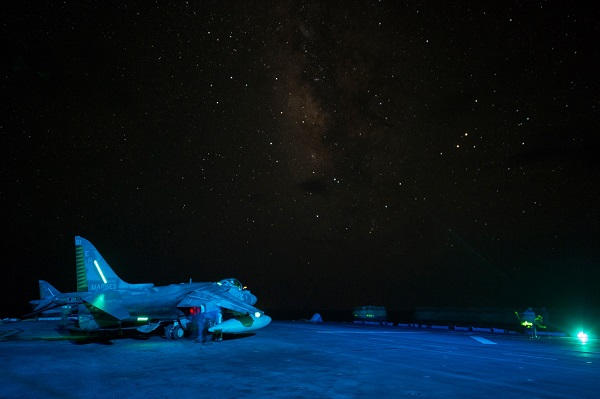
(177, 332)
(218, 336)
(174, 331)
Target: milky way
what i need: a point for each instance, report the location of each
(327, 154)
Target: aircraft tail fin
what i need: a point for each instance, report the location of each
(47, 291)
(93, 272)
(47, 296)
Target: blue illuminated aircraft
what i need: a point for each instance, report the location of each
(104, 302)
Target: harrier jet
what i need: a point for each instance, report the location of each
(104, 302)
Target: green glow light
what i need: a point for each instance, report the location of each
(527, 324)
(99, 271)
(142, 318)
(99, 301)
(583, 337)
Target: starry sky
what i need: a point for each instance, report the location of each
(327, 154)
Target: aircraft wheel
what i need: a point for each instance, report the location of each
(169, 332)
(177, 332)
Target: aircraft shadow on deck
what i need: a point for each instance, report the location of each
(229, 337)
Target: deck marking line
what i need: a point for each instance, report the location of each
(365, 332)
(482, 340)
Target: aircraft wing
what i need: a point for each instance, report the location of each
(216, 295)
(107, 303)
(41, 306)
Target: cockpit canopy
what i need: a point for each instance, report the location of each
(235, 288)
(232, 282)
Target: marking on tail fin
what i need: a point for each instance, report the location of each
(50, 291)
(82, 284)
(99, 271)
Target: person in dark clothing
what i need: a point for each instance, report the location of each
(202, 325)
(199, 325)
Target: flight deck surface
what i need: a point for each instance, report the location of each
(297, 359)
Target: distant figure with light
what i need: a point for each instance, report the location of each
(531, 321)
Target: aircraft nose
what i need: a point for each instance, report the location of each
(260, 322)
(266, 320)
(234, 326)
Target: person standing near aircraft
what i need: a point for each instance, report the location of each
(205, 317)
(212, 316)
(200, 324)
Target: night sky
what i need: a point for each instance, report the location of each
(327, 155)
